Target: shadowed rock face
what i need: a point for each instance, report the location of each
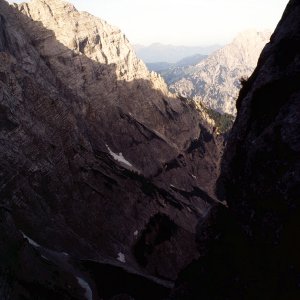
(264, 147)
(97, 158)
(252, 248)
(261, 170)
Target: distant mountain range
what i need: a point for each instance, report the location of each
(215, 80)
(169, 53)
(185, 62)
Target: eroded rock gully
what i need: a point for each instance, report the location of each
(97, 160)
(107, 176)
(251, 249)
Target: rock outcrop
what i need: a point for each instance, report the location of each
(99, 162)
(215, 81)
(251, 250)
(261, 169)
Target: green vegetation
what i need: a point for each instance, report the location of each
(223, 122)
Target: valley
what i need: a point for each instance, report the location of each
(214, 80)
(123, 180)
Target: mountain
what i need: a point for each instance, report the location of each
(190, 60)
(169, 53)
(215, 81)
(104, 174)
(159, 66)
(164, 68)
(252, 244)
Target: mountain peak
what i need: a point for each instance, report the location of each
(215, 80)
(86, 35)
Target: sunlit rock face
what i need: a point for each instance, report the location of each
(102, 169)
(215, 81)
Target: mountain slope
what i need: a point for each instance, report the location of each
(252, 247)
(215, 80)
(165, 69)
(169, 53)
(100, 166)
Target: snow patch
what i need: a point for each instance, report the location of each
(119, 157)
(44, 257)
(136, 233)
(195, 177)
(30, 241)
(88, 291)
(121, 257)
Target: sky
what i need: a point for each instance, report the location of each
(185, 22)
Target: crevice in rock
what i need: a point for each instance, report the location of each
(159, 229)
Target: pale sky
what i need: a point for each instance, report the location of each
(185, 22)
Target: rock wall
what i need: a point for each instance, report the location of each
(97, 159)
(215, 81)
(251, 249)
(260, 174)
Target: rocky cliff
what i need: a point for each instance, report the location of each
(102, 170)
(261, 166)
(252, 248)
(215, 81)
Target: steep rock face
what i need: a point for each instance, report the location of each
(84, 34)
(98, 161)
(215, 80)
(261, 170)
(252, 248)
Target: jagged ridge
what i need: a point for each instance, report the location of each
(215, 80)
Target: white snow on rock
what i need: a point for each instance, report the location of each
(88, 291)
(121, 257)
(119, 157)
(44, 257)
(136, 233)
(46, 253)
(30, 241)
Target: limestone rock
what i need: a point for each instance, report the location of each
(97, 158)
(215, 80)
(252, 247)
(261, 165)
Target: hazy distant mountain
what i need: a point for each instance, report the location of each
(165, 67)
(174, 72)
(160, 66)
(215, 80)
(191, 60)
(169, 53)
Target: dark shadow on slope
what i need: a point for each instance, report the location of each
(251, 249)
(159, 229)
(60, 179)
(115, 281)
